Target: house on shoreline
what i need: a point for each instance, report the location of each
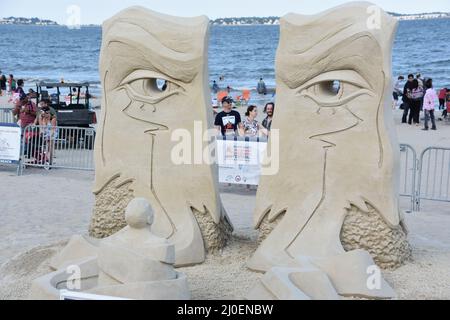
(27, 21)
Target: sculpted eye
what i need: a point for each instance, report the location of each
(327, 88)
(335, 88)
(153, 86)
(149, 87)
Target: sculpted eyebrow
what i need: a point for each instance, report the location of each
(178, 46)
(182, 66)
(184, 71)
(295, 69)
(326, 37)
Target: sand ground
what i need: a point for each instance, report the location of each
(42, 209)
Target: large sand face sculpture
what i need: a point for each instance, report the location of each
(337, 187)
(134, 145)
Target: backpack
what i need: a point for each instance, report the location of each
(417, 94)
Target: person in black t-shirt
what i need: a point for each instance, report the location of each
(406, 98)
(228, 122)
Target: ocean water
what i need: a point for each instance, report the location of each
(241, 54)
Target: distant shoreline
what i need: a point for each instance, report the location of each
(212, 24)
(233, 21)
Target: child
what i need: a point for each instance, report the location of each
(429, 102)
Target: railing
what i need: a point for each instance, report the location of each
(408, 171)
(58, 147)
(72, 148)
(6, 115)
(427, 179)
(434, 175)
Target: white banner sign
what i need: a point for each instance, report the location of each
(240, 161)
(9, 143)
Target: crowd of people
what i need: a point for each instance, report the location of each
(24, 108)
(261, 87)
(229, 122)
(418, 95)
(27, 114)
(8, 85)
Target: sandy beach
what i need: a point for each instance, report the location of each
(42, 209)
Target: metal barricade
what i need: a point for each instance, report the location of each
(434, 175)
(58, 147)
(408, 171)
(6, 115)
(72, 148)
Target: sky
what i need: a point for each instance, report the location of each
(96, 11)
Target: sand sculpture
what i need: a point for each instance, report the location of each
(337, 187)
(326, 219)
(132, 264)
(139, 116)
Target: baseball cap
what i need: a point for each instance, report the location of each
(227, 99)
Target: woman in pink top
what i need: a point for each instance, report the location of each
(429, 102)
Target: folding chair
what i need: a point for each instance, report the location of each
(244, 98)
(221, 95)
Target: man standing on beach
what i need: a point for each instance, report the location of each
(269, 110)
(228, 122)
(407, 97)
(215, 87)
(261, 87)
(397, 90)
